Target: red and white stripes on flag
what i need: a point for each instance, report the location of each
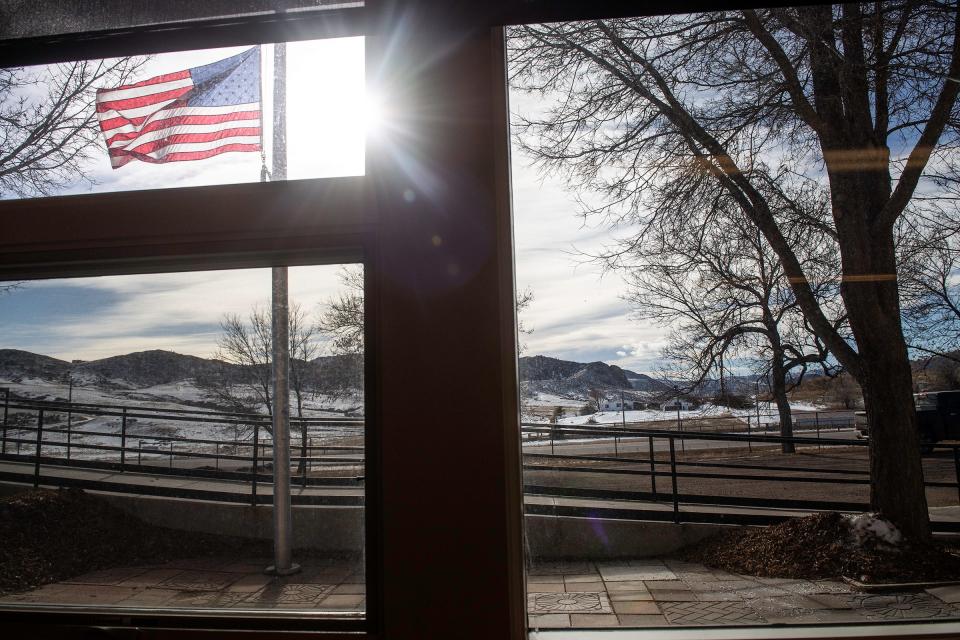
(185, 115)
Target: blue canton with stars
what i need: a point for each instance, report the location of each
(233, 80)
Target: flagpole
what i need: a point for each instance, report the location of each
(282, 521)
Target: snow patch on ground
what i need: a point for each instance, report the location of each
(867, 528)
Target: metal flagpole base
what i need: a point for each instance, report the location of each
(289, 571)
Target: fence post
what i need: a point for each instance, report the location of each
(683, 442)
(749, 436)
(36, 464)
(816, 416)
(956, 466)
(616, 451)
(253, 487)
(673, 480)
(653, 472)
(123, 440)
(551, 441)
(303, 463)
(6, 411)
(69, 416)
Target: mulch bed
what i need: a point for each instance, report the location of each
(48, 536)
(819, 546)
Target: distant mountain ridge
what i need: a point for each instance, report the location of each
(143, 368)
(564, 377)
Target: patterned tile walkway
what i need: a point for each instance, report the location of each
(211, 583)
(639, 593)
(664, 592)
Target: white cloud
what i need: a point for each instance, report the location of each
(174, 311)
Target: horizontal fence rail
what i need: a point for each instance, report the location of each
(33, 431)
(666, 505)
(39, 438)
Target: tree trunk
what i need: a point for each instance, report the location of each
(870, 293)
(895, 465)
(779, 390)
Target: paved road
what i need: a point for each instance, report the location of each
(21, 473)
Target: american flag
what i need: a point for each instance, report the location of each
(185, 115)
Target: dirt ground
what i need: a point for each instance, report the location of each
(823, 546)
(938, 467)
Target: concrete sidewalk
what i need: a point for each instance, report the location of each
(657, 592)
(568, 594)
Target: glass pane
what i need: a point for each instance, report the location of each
(184, 119)
(138, 451)
(739, 230)
(21, 19)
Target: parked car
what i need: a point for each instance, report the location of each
(938, 418)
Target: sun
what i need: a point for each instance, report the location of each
(373, 115)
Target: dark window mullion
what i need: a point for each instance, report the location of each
(206, 34)
(167, 223)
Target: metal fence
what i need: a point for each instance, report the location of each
(673, 471)
(249, 460)
(27, 435)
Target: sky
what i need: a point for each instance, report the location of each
(576, 312)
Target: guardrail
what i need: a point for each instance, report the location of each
(675, 470)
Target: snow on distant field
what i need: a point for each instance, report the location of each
(706, 411)
(178, 396)
(540, 399)
(617, 417)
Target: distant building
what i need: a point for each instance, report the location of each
(677, 404)
(622, 404)
(612, 405)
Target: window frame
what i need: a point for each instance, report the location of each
(197, 229)
(407, 595)
(90, 235)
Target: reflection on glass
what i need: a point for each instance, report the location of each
(139, 406)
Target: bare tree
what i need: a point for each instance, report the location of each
(343, 318)
(246, 344)
(724, 293)
(245, 348)
(658, 114)
(48, 122)
(524, 298)
(930, 290)
(304, 348)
